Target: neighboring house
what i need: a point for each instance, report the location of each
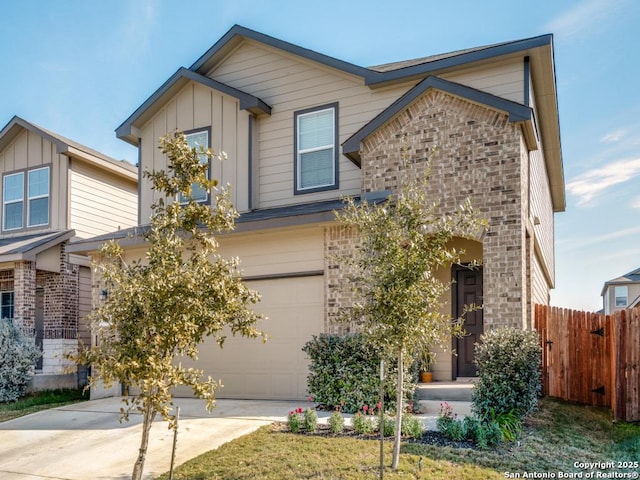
(302, 130)
(54, 190)
(622, 292)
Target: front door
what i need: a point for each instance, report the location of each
(468, 291)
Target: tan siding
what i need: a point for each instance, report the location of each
(30, 150)
(100, 202)
(289, 83)
(540, 287)
(196, 106)
(84, 304)
(504, 79)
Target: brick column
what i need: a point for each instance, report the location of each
(24, 296)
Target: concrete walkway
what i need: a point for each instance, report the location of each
(87, 441)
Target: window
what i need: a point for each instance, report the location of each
(198, 140)
(13, 201)
(36, 185)
(6, 305)
(316, 137)
(621, 296)
(38, 194)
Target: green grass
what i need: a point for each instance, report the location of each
(558, 435)
(34, 402)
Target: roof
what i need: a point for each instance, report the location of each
(126, 131)
(26, 247)
(539, 51)
(68, 147)
(631, 277)
(308, 213)
(517, 112)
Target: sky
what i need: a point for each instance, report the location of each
(80, 68)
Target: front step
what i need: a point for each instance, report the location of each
(455, 391)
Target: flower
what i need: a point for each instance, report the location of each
(299, 410)
(310, 399)
(365, 408)
(378, 405)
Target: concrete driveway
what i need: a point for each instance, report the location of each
(87, 441)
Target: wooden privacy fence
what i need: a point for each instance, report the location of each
(592, 358)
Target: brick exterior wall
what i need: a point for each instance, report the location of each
(474, 152)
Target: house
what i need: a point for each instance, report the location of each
(53, 191)
(622, 292)
(302, 130)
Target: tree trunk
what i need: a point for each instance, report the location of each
(396, 443)
(147, 420)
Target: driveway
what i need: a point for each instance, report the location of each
(87, 441)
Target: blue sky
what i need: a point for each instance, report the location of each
(80, 68)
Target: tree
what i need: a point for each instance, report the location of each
(160, 308)
(18, 356)
(393, 274)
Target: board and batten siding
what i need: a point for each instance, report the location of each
(100, 202)
(84, 305)
(196, 107)
(30, 150)
(289, 83)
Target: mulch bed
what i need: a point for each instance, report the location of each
(428, 437)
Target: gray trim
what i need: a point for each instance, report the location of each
(247, 101)
(229, 40)
(516, 111)
(139, 180)
(527, 79)
(250, 163)
(278, 276)
(336, 151)
(489, 52)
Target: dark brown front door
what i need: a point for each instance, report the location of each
(468, 291)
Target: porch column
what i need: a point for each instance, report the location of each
(24, 296)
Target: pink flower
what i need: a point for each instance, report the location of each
(365, 408)
(299, 410)
(291, 412)
(310, 399)
(378, 405)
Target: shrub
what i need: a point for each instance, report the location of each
(492, 433)
(412, 426)
(295, 420)
(18, 355)
(363, 424)
(344, 369)
(388, 426)
(510, 424)
(508, 362)
(310, 420)
(336, 422)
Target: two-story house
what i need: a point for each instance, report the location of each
(302, 130)
(621, 292)
(54, 190)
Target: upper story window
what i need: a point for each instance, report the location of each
(198, 139)
(621, 294)
(316, 149)
(25, 199)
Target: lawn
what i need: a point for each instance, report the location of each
(34, 402)
(556, 437)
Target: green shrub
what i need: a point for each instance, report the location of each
(336, 422)
(412, 426)
(363, 424)
(295, 420)
(508, 362)
(344, 370)
(18, 356)
(388, 426)
(493, 434)
(310, 420)
(473, 430)
(510, 424)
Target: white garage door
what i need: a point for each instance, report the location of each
(276, 369)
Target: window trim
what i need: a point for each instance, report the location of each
(11, 202)
(193, 131)
(626, 296)
(336, 157)
(25, 199)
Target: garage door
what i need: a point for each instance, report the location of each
(276, 369)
